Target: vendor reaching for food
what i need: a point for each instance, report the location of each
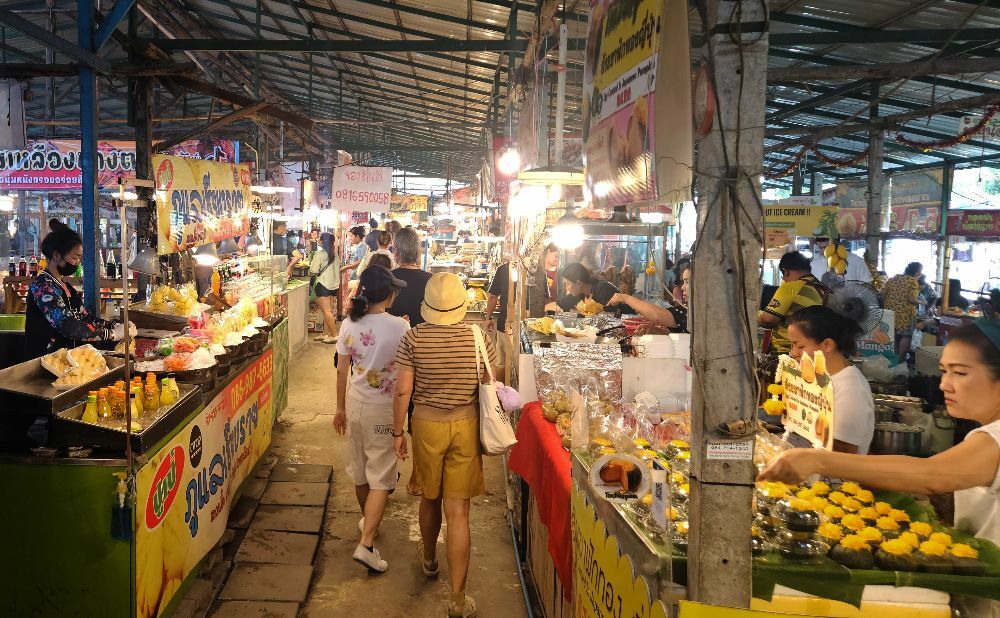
(673, 317)
(582, 286)
(970, 382)
(56, 317)
(823, 329)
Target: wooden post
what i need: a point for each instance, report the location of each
(876, 148)
(943, 245)
(725, 291)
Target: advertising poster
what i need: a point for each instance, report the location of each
(54, 164)
(787, 219)
(185, 491)
(916, 202)
(990, 131)
(198, 202)
(974, 223)
(808, 398)
(361, 188)
(604, 581)
(852, 199)
(637, 138)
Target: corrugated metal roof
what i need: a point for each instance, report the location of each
(445, 99)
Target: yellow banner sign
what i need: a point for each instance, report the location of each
(185, 490)
(690, 609)
(784, 221)
(624, 33)
(198, 202)
(808, 398)
(604, 581)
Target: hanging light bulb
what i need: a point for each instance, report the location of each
(509, 161)
(6, 203)
(568, 233)
(206, 255)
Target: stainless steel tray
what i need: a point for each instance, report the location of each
(66, 429)
(27, 388)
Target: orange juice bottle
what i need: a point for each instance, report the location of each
(90, 412)
(150, 399)
(103, 407)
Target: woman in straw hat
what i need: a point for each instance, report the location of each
(437, 368)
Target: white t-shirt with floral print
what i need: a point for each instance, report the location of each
(371, 343)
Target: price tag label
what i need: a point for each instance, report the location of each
(731, 451)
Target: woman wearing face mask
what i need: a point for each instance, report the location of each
(56, 317)
(970, 382)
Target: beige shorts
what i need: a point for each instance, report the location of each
(447, 458)
(369, 436)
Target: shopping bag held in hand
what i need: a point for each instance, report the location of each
(495, 431)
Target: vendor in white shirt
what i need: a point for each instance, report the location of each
(819, 328)
(970, 382)
(857, 270)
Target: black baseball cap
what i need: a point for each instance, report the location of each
(379, 277)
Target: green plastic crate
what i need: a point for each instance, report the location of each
(12, 322)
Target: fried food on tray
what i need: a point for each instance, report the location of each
(589, 307)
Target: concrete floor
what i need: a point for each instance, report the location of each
(340, 587)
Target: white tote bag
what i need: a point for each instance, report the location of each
(495, 431)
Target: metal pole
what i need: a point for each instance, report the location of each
(88, 159)
(561, 94)
(947, 179)
(876, 149)
(725, 293)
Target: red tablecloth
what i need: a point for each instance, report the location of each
(545, 466)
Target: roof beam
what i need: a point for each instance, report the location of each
(356, 46)
(883, 71)
(55, 42)
(228, 119)
(232, 97)
(819, 133)
(30, 69)
(117, 13)
(861, 37)
(461, 21)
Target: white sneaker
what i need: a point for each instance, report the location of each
(370, 559)
(329, 339)
(361, 527)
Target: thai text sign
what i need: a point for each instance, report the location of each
(185, 491)
(633, 155)
(974, 223)
(365, 189)
(916, 202)
(604, 581)
(198, 202)
(403, 202)
(808, 398)
(786, 220)
(54, 164)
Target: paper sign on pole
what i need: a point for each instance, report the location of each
(366, 189)
(808, 398)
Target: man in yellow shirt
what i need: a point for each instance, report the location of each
(799, 289)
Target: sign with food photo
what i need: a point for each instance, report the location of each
(637, 139)
(198, 202)
(808, 398)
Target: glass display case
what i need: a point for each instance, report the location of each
(610, 250)
(253, 277)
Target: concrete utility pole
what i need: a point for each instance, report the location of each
(876, 148)
(725, 290)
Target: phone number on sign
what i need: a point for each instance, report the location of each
(362, 197)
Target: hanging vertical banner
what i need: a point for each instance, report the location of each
(852, 199)
(12, 133)
(198, 202)
(185, 491)
(361, 188)
(632, 154)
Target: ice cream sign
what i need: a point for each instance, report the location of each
(786, 220)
